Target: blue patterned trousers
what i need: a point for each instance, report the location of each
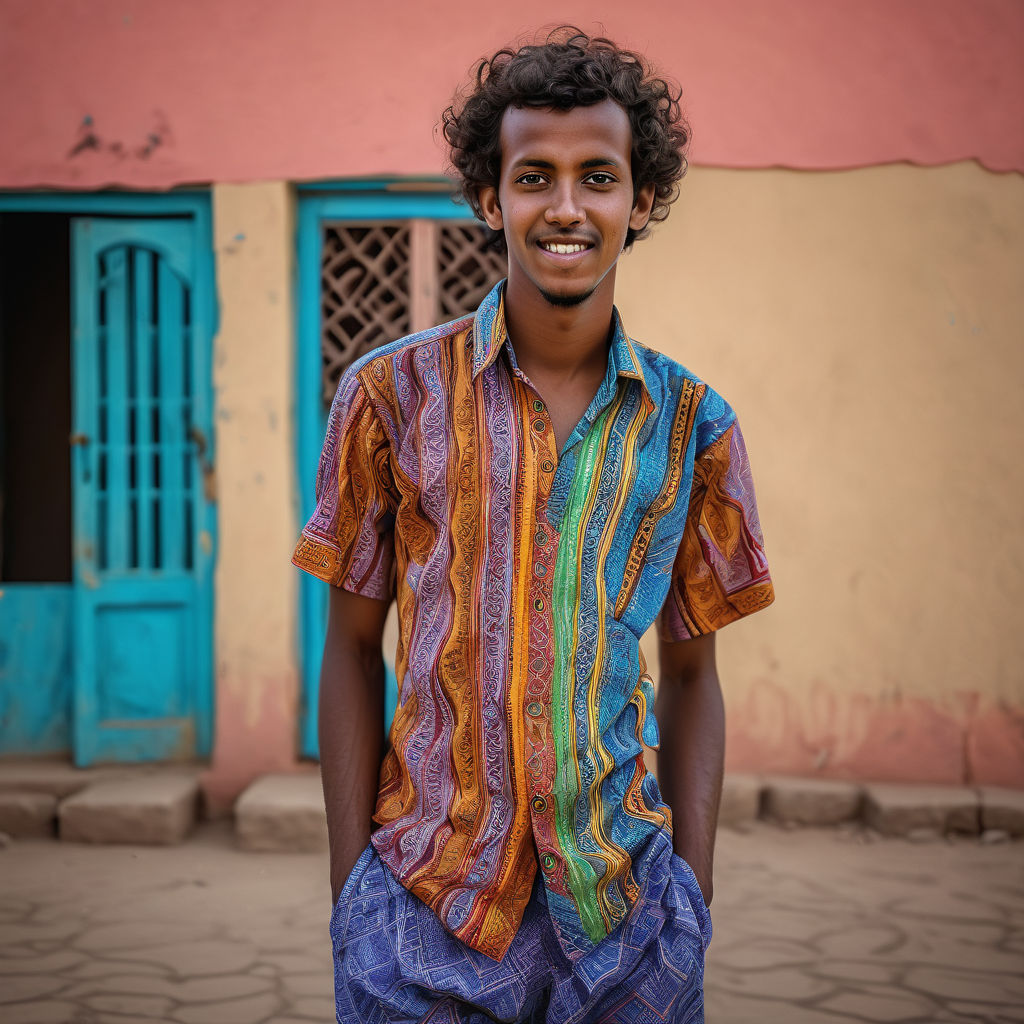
(394, 963)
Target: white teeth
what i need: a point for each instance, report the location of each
(555, 247)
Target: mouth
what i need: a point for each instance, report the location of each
(564, 247)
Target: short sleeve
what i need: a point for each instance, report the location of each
(349, 539)
(720, 572)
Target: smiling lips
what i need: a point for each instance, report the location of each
(565, 248)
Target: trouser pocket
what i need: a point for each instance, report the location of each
(695, 897)
(342, 903)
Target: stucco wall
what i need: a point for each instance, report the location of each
(256, 588)
(154, 94)
(866, 327)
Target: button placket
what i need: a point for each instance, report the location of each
(539, 751)
(544, 436)
(537, 703)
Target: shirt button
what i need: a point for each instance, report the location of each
(540, 569)
(535, 708)
(539, 604)
(538, 405)
(539, 804)
(548, 862)
(538, 425)
(541, 538)
(547, 465)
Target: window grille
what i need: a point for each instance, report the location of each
(382, 280)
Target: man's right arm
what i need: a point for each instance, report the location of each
(351, 725)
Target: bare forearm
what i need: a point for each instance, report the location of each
(351, 730)
(691, 719)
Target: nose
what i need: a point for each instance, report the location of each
(565, 209)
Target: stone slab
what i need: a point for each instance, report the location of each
(896, 809)
(741, 796)
(28, 815)
(1002, 809)
(150, 809)
(282, 813)
(48, 776)
(807, 801)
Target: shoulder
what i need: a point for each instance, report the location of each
(401, 350)
(375, 375)
(670, 382)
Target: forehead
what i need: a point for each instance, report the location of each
(574, 135)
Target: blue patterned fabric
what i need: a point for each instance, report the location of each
(394, 962)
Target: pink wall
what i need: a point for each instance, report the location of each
(236, 90)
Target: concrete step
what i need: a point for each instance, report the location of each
(59, 778)
(285, 813)
(896, 809)
(158, 807)
(741, 795)
(802, 801)
(1002, 809)
(27, 814)
(282, 813)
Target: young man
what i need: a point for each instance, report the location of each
(535, 489)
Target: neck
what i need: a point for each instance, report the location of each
(559, 343)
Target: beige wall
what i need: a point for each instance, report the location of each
(256, 587)
(866, 327)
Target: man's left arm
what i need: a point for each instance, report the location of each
(691, 756)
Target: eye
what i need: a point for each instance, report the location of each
(530, 178)
(601, 178)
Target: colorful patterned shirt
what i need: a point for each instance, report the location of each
(524, 579)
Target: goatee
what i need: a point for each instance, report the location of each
(566, 300)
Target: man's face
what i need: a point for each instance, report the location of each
(565, 198)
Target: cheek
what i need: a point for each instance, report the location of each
(517, 222)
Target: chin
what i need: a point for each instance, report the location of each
(572, 299)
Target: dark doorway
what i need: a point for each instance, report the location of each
(35, 398)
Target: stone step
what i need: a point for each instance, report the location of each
(59, 778)
(282, 813)
(155, 808)
(28, 814)
(802, 801)
(285, 813)
(741, 795)
(897, 809)
(1002, 809)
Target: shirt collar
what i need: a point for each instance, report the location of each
(489, 335)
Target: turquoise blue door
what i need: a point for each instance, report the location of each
(142, 492)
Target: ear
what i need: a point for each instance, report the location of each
(487, 197)
(641, 213)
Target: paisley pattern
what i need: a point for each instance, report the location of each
(525, 577)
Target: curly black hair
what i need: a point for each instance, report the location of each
(569, 69)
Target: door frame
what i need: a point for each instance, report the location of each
(364, 199)
(195, 205)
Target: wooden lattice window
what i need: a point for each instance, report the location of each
(381, 280)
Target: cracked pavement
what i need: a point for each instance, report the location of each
(810, 925)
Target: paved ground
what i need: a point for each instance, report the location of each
(809, 925)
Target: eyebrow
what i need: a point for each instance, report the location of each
(600, 161)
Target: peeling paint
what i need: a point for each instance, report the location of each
(89, 139)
